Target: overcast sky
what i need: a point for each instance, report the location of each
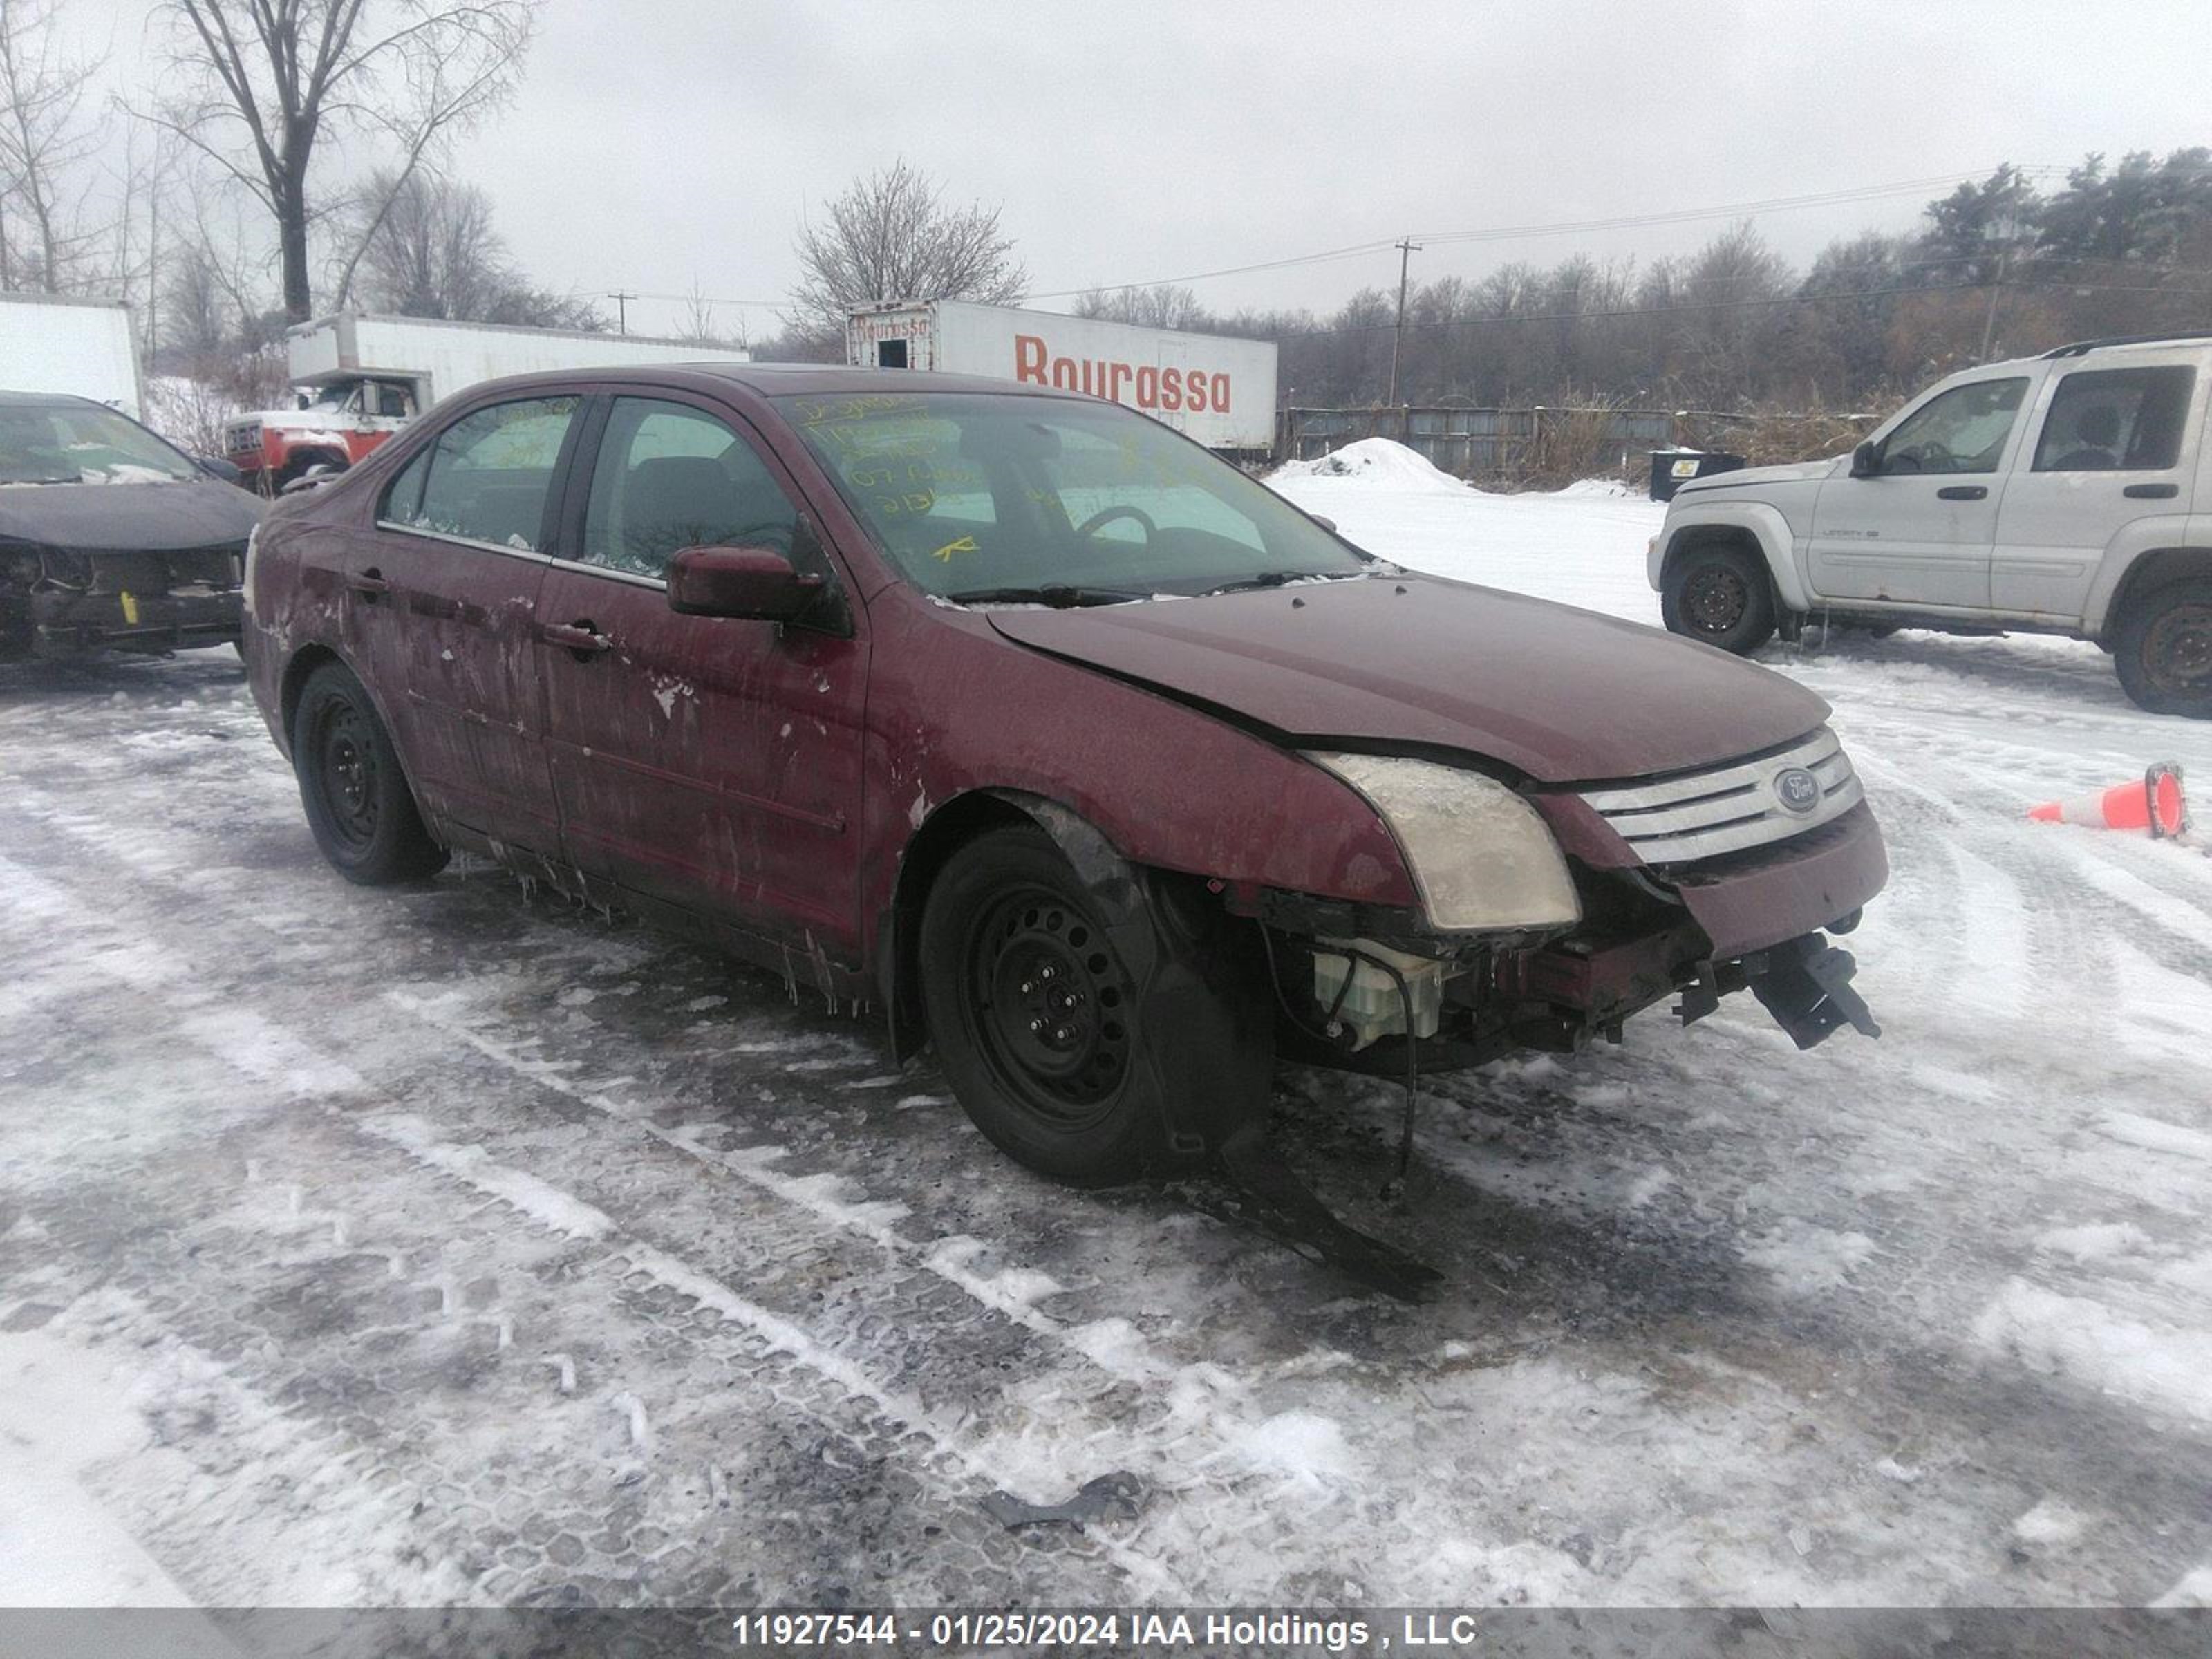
(654, 144)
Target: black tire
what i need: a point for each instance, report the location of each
(1168, 1022)
(357, 801)
(2163, 649)
(1719, 594)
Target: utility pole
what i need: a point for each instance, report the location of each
(1406, 252)
(621, 310)
(1990, 322)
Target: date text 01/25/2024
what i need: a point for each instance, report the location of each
(1154, 1631)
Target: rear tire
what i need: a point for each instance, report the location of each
(1719, 594)
(2163, 649)
(358, 804)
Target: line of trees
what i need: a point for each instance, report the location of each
(1995, 267)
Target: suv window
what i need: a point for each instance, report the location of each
(1964, 430)
(2116, 420)
(487, 476)
(670, 476)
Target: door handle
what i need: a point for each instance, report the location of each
(369, 584)
(1962, 492)
(579, 637)
(2164, 492)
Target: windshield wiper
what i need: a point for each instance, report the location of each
(1280, 579)
(1057, 595)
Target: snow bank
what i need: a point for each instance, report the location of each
(1378, 462)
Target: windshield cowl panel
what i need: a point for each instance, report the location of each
(984, 499)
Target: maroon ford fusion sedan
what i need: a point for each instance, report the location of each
(1015, 714)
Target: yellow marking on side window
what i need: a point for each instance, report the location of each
(966, 544)
(130, 608)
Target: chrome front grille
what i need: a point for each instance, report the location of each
(1746, 804)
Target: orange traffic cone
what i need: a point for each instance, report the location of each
(2156, 804)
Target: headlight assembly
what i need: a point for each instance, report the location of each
(1483, 858)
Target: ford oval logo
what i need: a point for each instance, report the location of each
(1797, 789)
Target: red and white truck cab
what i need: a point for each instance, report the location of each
(358, 379)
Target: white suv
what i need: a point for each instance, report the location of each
(2051, 493)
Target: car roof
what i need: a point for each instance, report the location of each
(43, 399)
(783, 380)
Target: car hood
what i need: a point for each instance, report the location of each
(1795, 472)
(1559, 694)
(127, 518)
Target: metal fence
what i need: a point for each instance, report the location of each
(1499, 443)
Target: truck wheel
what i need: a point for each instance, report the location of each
(2164, 651)
(357, 801)
(1048, 1035)
(1719, 595)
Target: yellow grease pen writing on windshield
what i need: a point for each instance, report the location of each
(966, 544)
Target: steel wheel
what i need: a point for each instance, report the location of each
(1719, 595)
(2178, 651)
(357, 801)
(1714, 598)
(346, 773)
(1048, 1002)
(2163, 649)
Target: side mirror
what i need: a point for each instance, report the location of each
(750, 583)
(320, 472)
(1866, 461)
(215, 467)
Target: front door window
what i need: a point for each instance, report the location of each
(1964, 430)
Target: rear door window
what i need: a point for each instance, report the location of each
(2116, 420)
(670, 477)
(488, 475)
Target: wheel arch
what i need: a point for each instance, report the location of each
(300, 666)
(2147, 572)
(949, 826)
(1751, 525)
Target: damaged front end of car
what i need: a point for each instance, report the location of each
(1550, 917)
(63, 602)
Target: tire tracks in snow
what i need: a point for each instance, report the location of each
(267, 1053)
(1184, 1425)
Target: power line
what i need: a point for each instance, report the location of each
(1627, 222)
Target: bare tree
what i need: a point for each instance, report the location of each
(46, 140)
(891, 236)
(701, 327)
(430, 249)
(1168, 305)
(272, 79)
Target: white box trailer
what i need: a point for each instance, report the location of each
(51, 343)
(360, 378)
(1217, 390)
(443, 358)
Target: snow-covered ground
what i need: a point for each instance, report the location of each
(450, 1244)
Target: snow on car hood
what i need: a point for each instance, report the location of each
(127, 518)
(1559, 694)
(1795, 472)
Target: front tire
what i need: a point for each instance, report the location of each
(2164, 650)
(357, 801)
(1719, 594)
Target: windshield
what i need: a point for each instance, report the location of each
(82, 443)
(982, 496)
